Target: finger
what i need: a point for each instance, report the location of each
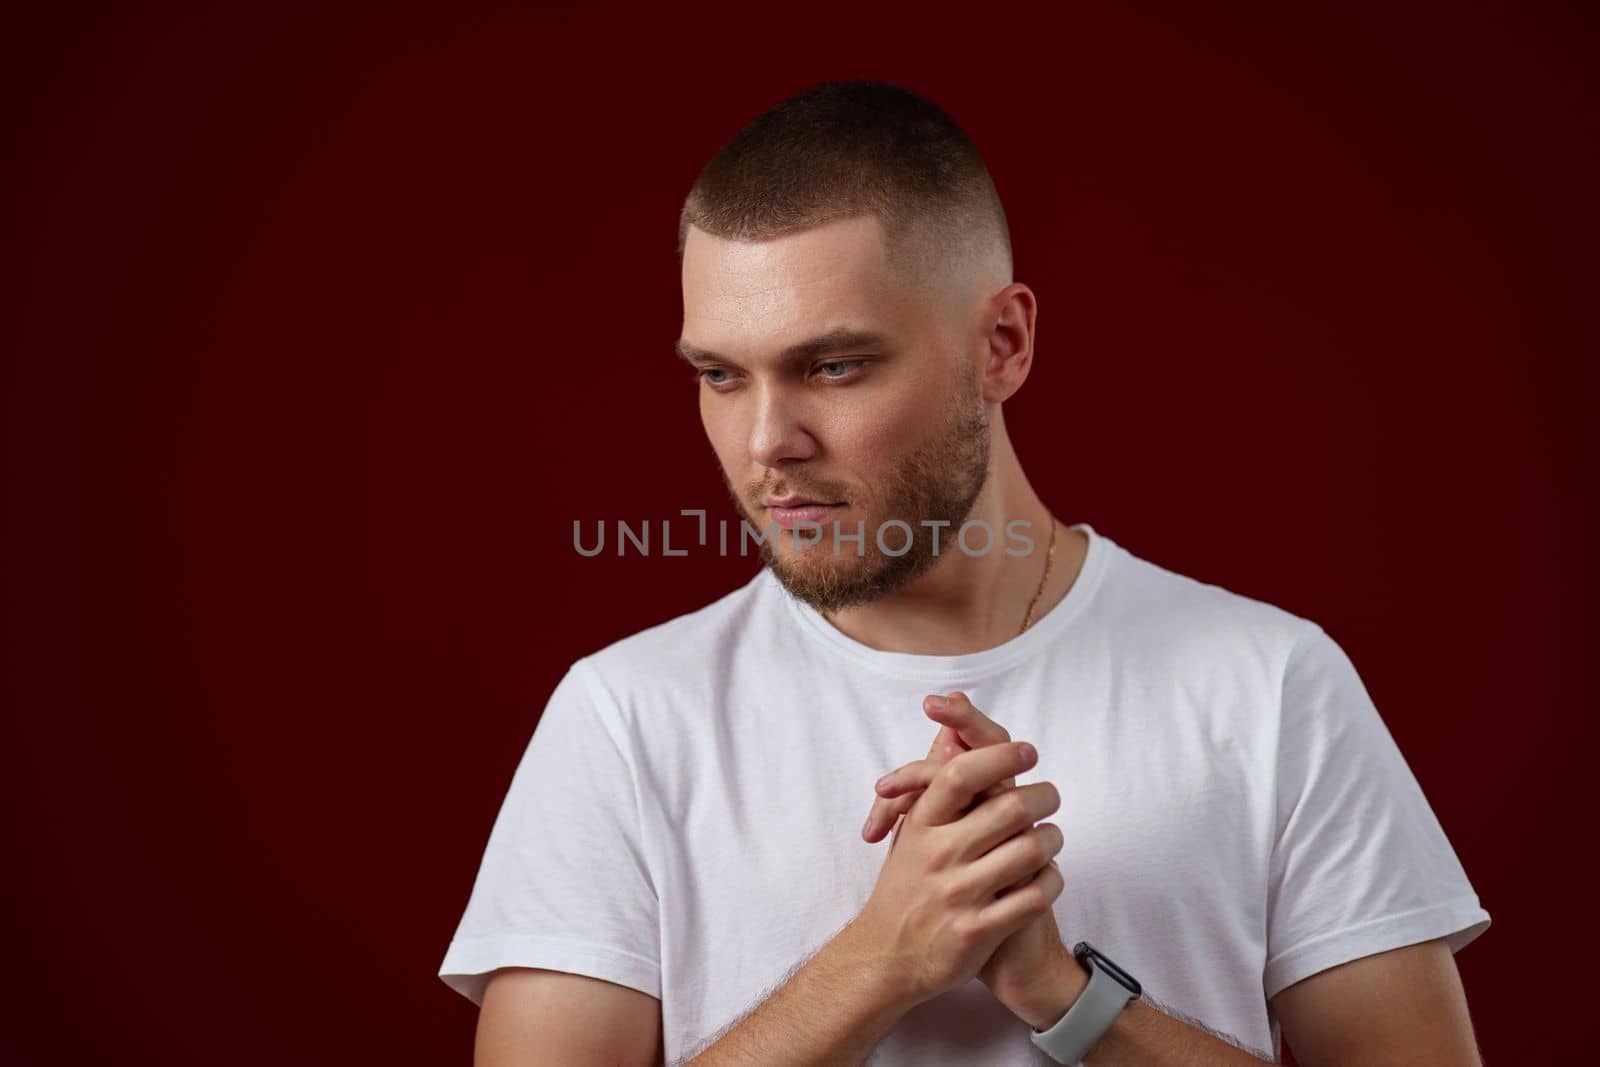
(971, 726)
(969, 774)
(946, 737)
(898, 826)
(1018, 884)
(1025, 879)
(897, 790)
(915, 775)
(900, 791)
(919, 774)
(1018, 908)
(999, 818)
(1017, 858)
(998, 788)
(885, 812)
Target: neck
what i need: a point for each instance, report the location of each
(968, 603)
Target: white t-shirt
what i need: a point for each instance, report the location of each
(686, 820)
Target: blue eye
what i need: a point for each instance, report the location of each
(847, 364)
(834, 370)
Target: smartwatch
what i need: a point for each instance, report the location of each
(1091, 1015)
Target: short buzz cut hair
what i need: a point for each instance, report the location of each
(847, 148)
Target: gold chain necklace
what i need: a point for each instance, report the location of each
(1050, 553)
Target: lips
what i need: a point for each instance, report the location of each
(797, 509)
(799, 502)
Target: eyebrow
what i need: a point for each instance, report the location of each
(838, 339)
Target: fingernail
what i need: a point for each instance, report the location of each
(866, 827)
(1027, 751)
(938, 702)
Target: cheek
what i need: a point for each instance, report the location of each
(878, 436)
(725, 436)
(867, 448)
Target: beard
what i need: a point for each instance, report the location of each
(938, 482)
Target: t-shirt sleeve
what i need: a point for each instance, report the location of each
(1360, 864)
(564, 883)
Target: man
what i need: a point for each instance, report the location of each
(676, 876)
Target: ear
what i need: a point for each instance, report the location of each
(1008, 341)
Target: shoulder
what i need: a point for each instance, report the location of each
(685, 650)
(1176, 616)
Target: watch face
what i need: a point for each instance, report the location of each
(1086, 952)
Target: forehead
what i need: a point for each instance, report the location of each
(769, 293)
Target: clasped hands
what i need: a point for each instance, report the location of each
(967, 888)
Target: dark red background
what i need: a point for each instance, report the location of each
(329, 325)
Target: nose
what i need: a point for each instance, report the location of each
(777, 429)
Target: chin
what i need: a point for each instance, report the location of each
(831, 584)
(816, 563)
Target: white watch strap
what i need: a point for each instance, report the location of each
(1090, 1016)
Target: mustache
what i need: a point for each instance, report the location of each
(759, 491)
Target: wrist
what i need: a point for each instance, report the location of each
(883, 989)
(1054, 995)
